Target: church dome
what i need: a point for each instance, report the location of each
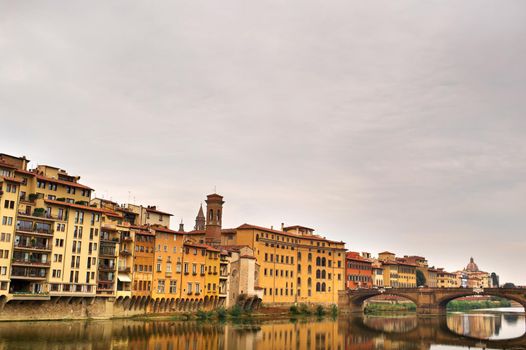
(472, 267)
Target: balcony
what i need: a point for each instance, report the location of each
(124, 269)
(43, 216)
(124, 252)
(32, 246)
(24, 262)
(106, 267)
(28, 273)
(127, 239)
(29, 227)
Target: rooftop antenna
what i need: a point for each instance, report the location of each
(129, 194)
(215, 189)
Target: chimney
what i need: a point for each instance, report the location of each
(181, 226)
(282, 226)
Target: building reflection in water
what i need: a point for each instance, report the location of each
(367, 333)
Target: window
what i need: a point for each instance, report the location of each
(173, 286)
(160, 286)
(7, 220)
(197, 288)
(189, 288)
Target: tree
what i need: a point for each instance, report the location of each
(420, 278)
(508, 285)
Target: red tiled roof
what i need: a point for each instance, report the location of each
(308, 237)
(12, 179)
(195, 232)
(72, 205)
(7, 165)
(62, 182)
(27, 172)
(151, 210)
(357, 258)
(164, 229)
(298, 226)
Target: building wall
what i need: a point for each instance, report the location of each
(359, 273)
(143, 262)
(8, 212)
(294, 268)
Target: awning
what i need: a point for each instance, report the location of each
(124, 277)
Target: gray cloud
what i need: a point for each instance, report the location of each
(390, 125)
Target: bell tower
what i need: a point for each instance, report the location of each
(214, 215)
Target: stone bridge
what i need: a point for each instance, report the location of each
(428, 301)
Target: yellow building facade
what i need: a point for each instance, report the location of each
(295, 265)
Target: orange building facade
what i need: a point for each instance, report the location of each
(358, 271)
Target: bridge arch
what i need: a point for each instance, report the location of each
(444, 300)
(357, 300)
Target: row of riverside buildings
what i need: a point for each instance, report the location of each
(59, 241)
(389, 271)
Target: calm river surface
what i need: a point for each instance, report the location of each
(484, 329)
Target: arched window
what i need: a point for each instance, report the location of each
(323, 287)
(310, 257)
(309, 282)
(299, 281)
(318, 261)
(323, 262)
(257, 238)
(299, 255)
(211, 215)
(219, 216)
(318, 274)
(318, 287)
(323, 274)
(309, 269)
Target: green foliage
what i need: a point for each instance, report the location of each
(294, 310)
(221, 313)
(235, 311)
(32, 197)
(304, 309)
(385, 307)
(320, 311)
(203, 315)
(462, 305)
(420, 278)
(39, 212)
(334, 311)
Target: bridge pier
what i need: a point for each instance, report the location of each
(429, 309)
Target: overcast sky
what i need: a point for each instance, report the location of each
(391, 125)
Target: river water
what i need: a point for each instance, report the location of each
(483, 329)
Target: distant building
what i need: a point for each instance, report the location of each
(472, 277)
(358, 271)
